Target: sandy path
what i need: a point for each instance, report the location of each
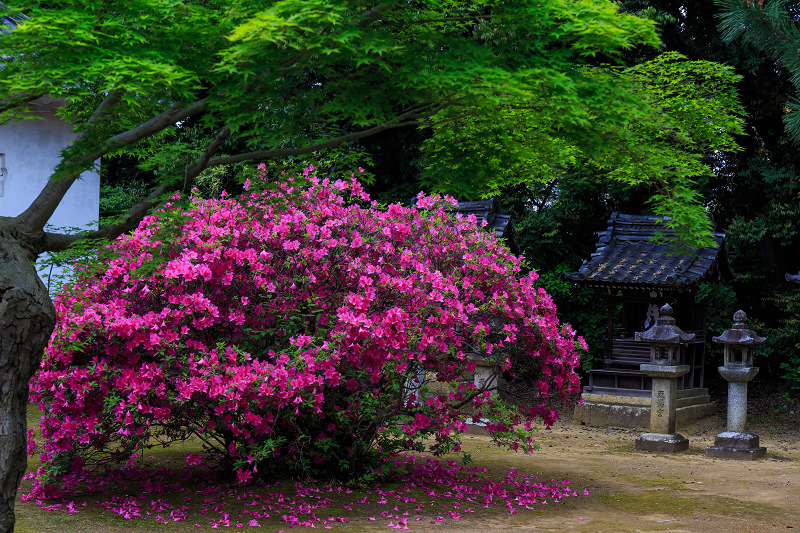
(635, 491)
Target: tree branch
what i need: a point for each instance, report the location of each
(365, 19)
(55, 242)
(762, 18)
(167, 118)
(108, 103)
(41, 209)
(476, 18)
(369, 16)
(194, 170)
(17, 100)
(408, 118)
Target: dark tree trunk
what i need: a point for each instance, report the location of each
(27, 318)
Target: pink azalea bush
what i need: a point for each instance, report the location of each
(295, 328)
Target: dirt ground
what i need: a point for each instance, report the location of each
(628, 491)
(636, 491)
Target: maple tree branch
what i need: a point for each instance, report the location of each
(35, 217)
(369, 16)
(18, 100)
(409, 118)
(55, 242)
(475, 18)
(111, 99)
(167, 118)
(363, 20)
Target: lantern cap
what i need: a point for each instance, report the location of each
(739, 334)
(664, 331)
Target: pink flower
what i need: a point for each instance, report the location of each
(323, 309)
(243, 476)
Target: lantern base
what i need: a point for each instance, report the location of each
(662, 443)
(737, 446)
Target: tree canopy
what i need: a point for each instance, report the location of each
(773, 28)
(513, 91)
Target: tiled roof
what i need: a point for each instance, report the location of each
(628, 255)
(487, 210)
(9, 23)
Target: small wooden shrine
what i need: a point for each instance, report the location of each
(638, 274)
(497, 222)
(488, 211)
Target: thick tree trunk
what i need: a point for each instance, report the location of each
(27, 318)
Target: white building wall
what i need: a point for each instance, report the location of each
(32, 150)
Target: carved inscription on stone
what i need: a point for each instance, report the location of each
(660, 403)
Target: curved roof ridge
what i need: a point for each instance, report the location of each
(629, 253)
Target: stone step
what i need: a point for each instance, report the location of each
(604, 410)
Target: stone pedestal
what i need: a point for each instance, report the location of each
(736, 445)
(487, 376)
(737, 378)
(662, 443)
(662, 436)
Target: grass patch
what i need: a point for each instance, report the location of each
(664, 501)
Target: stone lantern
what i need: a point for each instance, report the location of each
(488, 372)
(667, 341)
(738, 343)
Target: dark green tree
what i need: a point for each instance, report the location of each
(773, 28)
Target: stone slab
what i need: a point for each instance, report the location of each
(589, 397)
(737, 454)
(685, 398)
(662, 443)
(692, 413)
(732, 439)
(606, 410)
(663, 371)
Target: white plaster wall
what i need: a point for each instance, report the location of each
(32, 150)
